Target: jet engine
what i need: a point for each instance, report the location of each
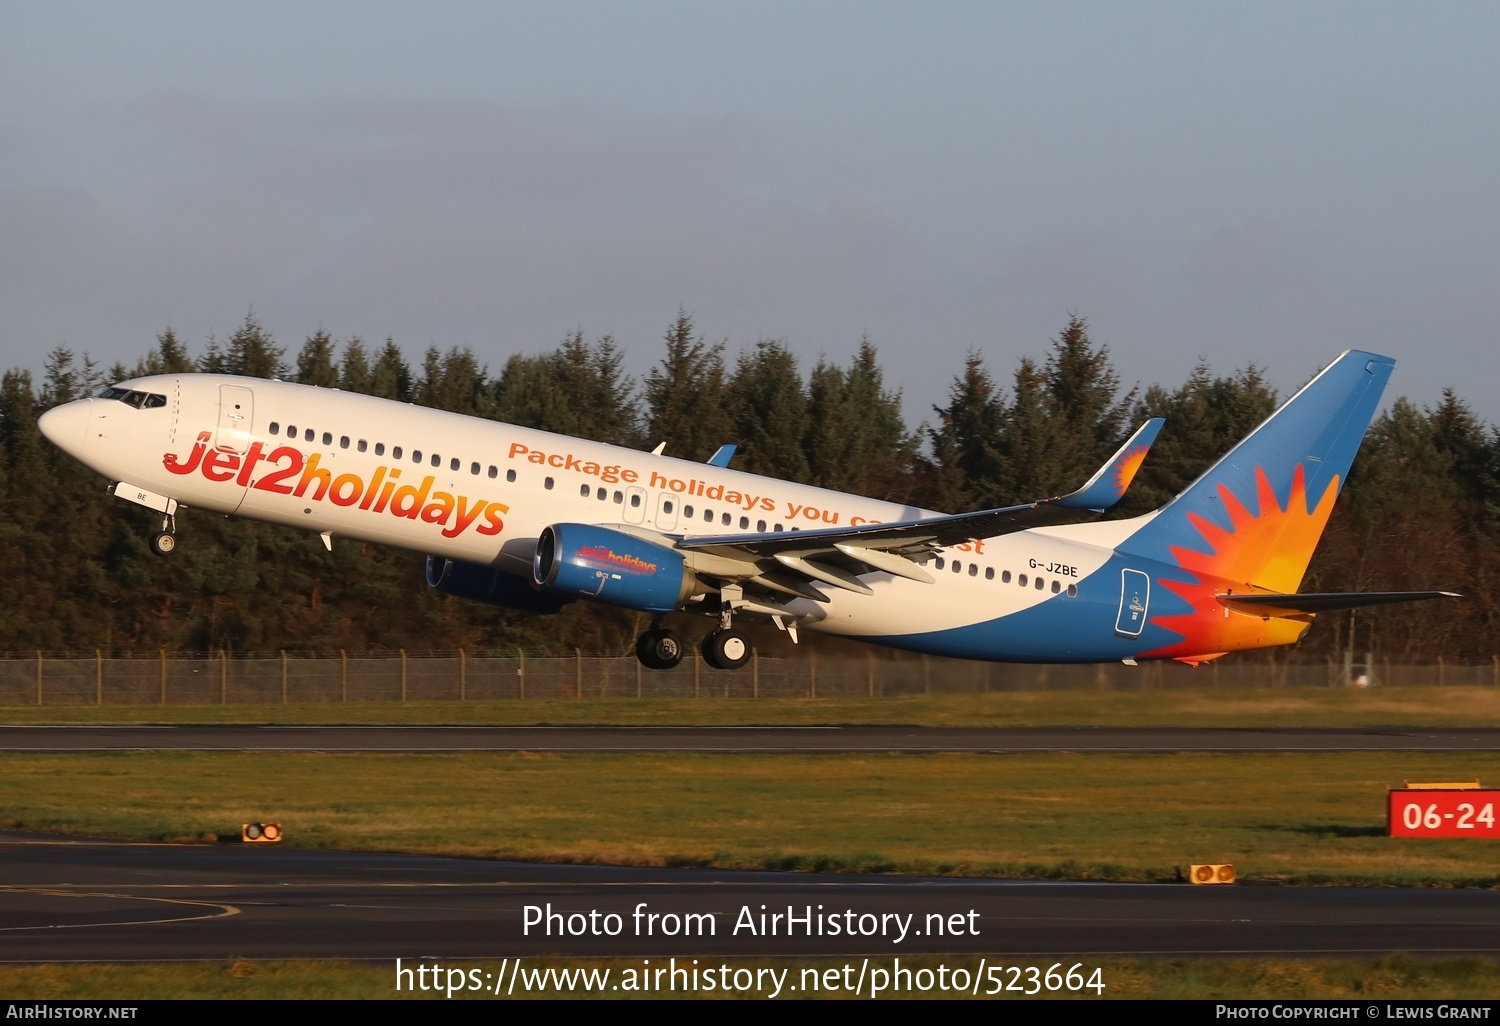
(492, 585)
(611, 566)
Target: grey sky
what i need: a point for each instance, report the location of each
(1269, 183)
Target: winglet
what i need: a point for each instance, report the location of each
(722, 455)
(1108, 486)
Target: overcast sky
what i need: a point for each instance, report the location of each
(1267, 183)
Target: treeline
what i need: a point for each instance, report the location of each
(1422, 508)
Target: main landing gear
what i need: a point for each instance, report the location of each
(723, 649)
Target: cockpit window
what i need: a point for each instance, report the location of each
(139, 400)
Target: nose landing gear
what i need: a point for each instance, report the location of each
(164, 542)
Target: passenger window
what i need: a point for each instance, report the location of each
(744, 523)
(291, 431)
(776, 527)
(395, 452)
(635, 502)
(603, 494)
(1056, 587)
(308, 435)
(708, 516)
(1072, 591)
(760, 526)
(973, 569)
(725, 519)
(667, 507)
(363, 445)
(989, 573)
(510, 475)
(957, 566)
(1040, 584)
(547, 484)
(940, 562)
(327, 437)
(584, 490)
(1021, 580)
(344, 442)
(416, 455)
(453, 464)
(494, 472)
(619, 497)
(437, 460)
(275, 428)
(379, 448)
(687, 511)
(474, 469)
(1005, 577)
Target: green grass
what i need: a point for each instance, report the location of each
(1206, 707)
(1390, 979)
(1306, 818)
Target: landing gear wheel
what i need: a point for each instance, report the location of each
(163, 544)
(726, 649)
(659, 649)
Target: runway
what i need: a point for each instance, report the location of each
(92, 900)
(806, 740)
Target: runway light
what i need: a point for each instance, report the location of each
(260, 833)
(1211, 874)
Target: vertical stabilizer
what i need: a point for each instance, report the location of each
(1253, 519)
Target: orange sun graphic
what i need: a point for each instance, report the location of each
(1264, 552)
(1127, 466)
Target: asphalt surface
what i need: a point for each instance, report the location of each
(71, 899)
(741, 739)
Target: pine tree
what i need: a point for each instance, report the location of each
(685, 395)
(253, 352)
(315, 364)
(769, 405)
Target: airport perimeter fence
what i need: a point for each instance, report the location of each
(173, 679)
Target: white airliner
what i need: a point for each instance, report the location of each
(532, 520)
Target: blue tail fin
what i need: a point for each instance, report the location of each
(1255, 516)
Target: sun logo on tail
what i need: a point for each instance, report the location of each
(1266, 551)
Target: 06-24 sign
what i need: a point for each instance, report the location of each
(1434, 813)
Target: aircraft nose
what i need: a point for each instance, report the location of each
(66, 426)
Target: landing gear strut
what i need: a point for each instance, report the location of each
(659, 648)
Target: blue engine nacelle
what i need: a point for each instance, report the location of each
(611, 566)
(488, 584)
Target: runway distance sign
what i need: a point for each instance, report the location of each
(1469, 812)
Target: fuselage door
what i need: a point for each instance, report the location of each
(1135, 596)
(635, 505)
(666, 510)
(236, 413)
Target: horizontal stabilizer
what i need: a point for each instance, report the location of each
(1324, 602)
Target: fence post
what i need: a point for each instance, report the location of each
(39, 677)
(98, 677)
(578, 673)
(697, 669)
(926, 675)
(869, 674)
(463, 676)
(223, 677)
(1442, 672)
(637, 678)
(343, 676)
(283, 676)
(812, 673)
(1496, 661)
(403, 675)
(521, 670)
(754, 673)
(164, 675)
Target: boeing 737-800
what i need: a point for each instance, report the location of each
(531, 520)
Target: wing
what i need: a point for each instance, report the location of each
(785, 561)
